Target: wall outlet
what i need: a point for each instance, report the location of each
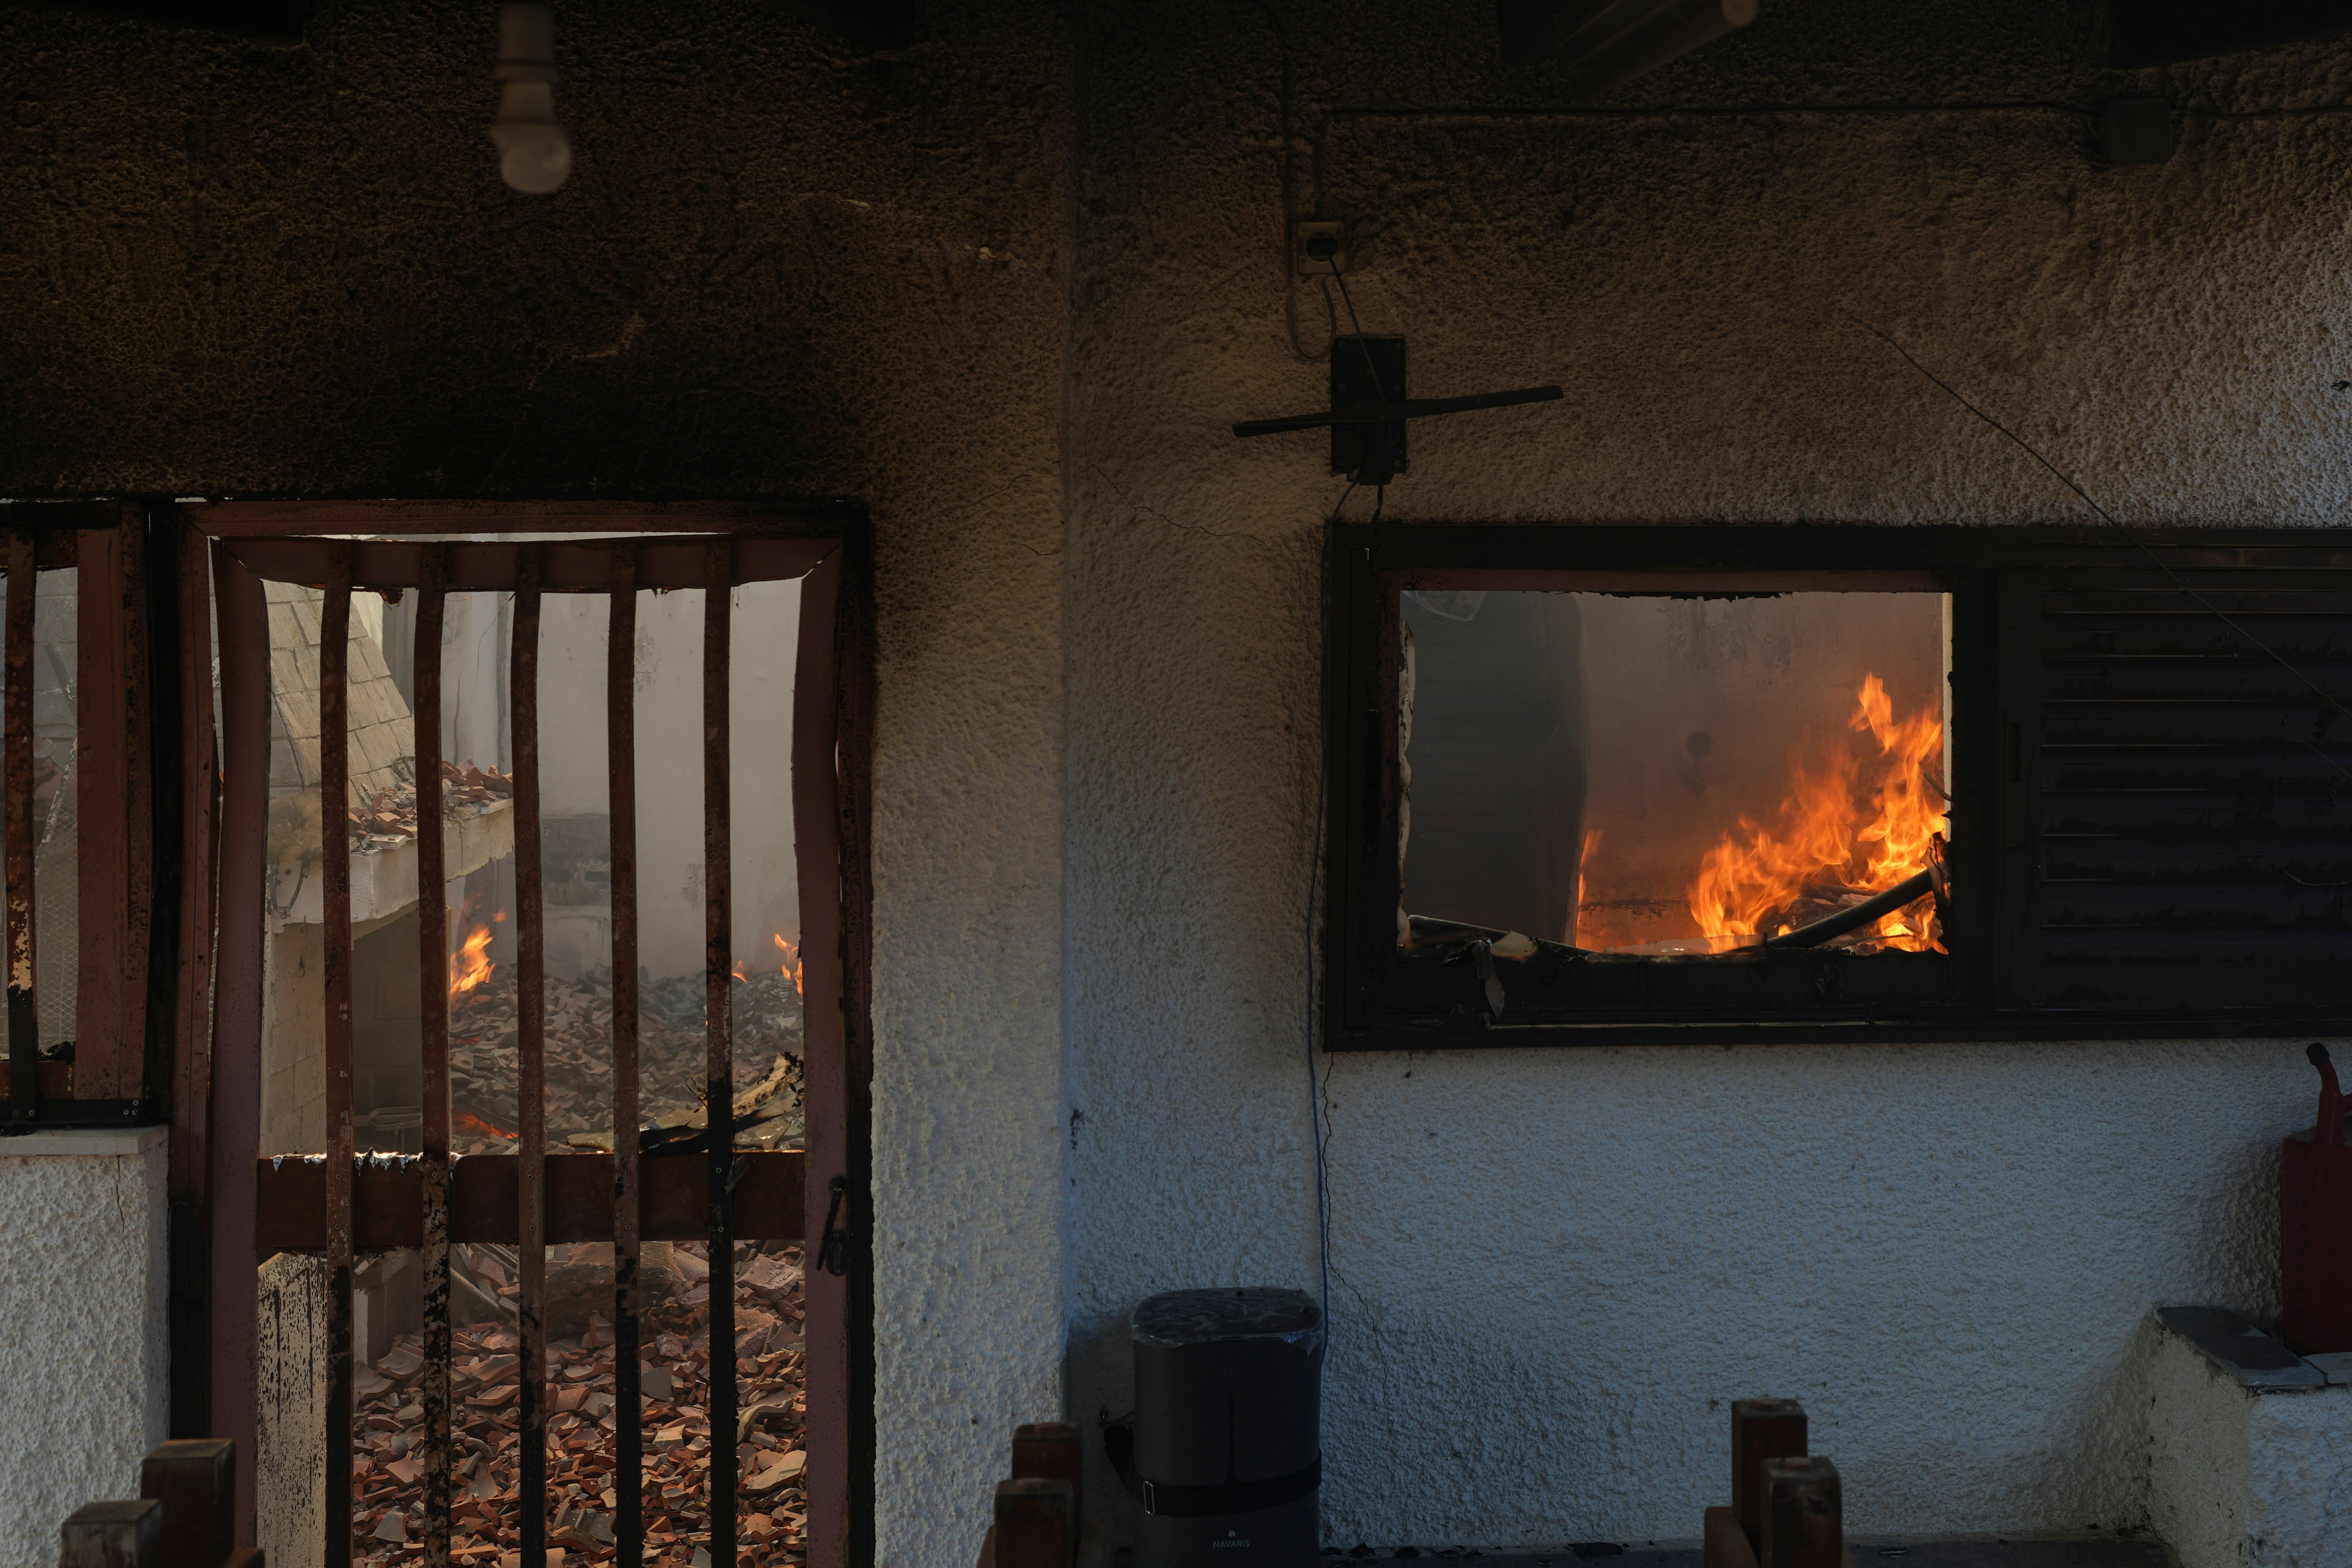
(1318, 249)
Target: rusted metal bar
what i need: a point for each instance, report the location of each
(101, 730)
(24, 1017)
(432, 1010)
(851, 837)
(335, 882)
(388, 1195)
(192, 999)
(235, 1093)
(530, 1067)
(1761, 1430)
(195, 1480)
(136, 717)
(577, 566)
(621, 802)
(719, 1047)
(1804, 1518)
(822, 845)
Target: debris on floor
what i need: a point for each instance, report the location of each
(579, 1057)
(387, 1464)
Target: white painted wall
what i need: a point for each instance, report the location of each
(1551, 1269)
(84, 1355)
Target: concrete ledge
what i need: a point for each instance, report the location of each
(2246, 1470)
(2240, 1350)
(118, 1142)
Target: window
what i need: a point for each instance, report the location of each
(1609, 784)
(98, 693)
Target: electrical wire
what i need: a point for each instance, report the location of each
(1314, 891)
(1362, 346)
(2329, 706)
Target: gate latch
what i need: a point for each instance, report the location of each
(833, 1246)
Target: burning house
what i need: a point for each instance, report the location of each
(1480, 777)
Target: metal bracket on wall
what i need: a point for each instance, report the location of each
(1369, 409)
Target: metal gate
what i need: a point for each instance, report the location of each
(341, 1204)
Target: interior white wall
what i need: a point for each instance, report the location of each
(1552, 1268)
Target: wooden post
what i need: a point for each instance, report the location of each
(113, 1535)
(1804, 1515)
(1761, 1430)
(1051, 1451)
(1033, 1524)
(194, 1479)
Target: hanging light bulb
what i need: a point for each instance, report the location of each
(534, 154)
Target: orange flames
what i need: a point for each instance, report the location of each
(466, 1122)
(791, 964)
(470, 964)
(1837, 831)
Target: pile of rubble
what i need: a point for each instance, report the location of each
(387, 1462)
(579, 1056)
(389, 817)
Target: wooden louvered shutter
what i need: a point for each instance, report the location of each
(2175, 835)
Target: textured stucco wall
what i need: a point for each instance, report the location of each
(1010, 289)
(782, 268)
(84, 1355)
(1551, 1269)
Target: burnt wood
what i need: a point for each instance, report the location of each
(1804, 1515)
(1762, 1430)
(113, 1535)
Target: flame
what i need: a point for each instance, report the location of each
(791, 966)
(738, 972)
(469, 1122)
(470, 964)
(1834, 829)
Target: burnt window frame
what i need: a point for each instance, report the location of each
(1997, 577)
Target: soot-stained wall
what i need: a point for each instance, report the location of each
(1552, 1270)
(782, 268)
(1009, 288)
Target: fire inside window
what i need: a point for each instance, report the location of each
(1608, 786)
(1675, 775)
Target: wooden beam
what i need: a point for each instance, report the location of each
(284, 519)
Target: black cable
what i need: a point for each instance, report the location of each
(1314, 891)
(2328, 704)
(1362, 346)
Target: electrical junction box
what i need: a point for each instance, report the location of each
(1319, 249)
(2136, 130)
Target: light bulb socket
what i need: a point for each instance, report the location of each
(526, 43)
